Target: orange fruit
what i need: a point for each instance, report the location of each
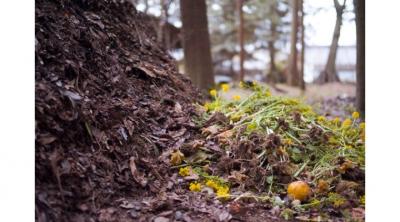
(299, 190)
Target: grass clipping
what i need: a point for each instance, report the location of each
(260, 144)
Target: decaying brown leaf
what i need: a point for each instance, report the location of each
(176, 158)
(345, 185)
(237, 177)
(225, 136)
(137, 176)
(46, 139)
(211, 130)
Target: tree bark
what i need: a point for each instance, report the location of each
(273, 78)
(303, 46)
(359, 8)
(241, 39)
(196, 43)
(293, 77)
(273, 75)
(329, 73)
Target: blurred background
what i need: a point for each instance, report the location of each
(302, 48)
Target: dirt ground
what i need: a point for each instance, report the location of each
(313, 92)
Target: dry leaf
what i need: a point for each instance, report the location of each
(137, 176)
(213, 129)
(345, 185)
(176, 158)
(237, 176)
(46, 139)
(225, 136)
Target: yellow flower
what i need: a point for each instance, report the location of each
(223, 192)
(236, 97)
(336, 199)
(241, 84)
(236, 117)
(355, 115)
(288, 142)
(338, 202)
(346, 123)
(251, 126)
(213, 93)
(348, 147)
(321, 119)
(195, 187)
(225, 87)
(332, 140)
(212, 184)
(336, 120)
(207, 106)
(362, 126)
(184, 171)
(267, 93)
(362, 200)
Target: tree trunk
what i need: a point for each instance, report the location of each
(359, 8)
(167, 33)
(273, 78)
(329, 73)
(241, 39)
(303, 46)
(273, 73)
(196, 43)
(293, 77)
(146, 6)
(161, 32)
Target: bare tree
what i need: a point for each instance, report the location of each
(274, 13)
(196, 43)
(303, 46)
(293, 77)
(241, 38)
(329, 73)
(359, 9)
(273, 73)
(146, 6)
(163, 37)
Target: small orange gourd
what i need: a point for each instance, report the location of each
(299, 190)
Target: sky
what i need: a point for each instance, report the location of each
(319, 23)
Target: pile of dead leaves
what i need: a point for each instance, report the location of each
(109, 103)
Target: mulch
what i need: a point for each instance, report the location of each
(110, 106)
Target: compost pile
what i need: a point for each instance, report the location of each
(109, 103)
(122, 136)
(277, 154)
